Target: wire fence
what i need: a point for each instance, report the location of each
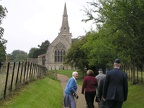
(15, 74)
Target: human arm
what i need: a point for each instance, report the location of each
(72, 85)
(105, 86)
(100, 88)
(83, 86)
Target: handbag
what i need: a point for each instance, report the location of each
(76, 96)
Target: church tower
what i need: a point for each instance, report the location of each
(59, 47)
(65, 25)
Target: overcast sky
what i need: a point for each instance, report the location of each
(30, 22)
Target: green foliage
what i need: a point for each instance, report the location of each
(2, 53)
(120, 31)
(35, 52)
(17, 55)
(43, 47)
(3, 12)
(75, 56)
(43, 93)
(124, 20)
(119, 34)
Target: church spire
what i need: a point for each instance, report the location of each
(65, 25)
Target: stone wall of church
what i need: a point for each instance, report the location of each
(42, 59)
(59, 67)
(33, 60)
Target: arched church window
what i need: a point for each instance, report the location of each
(59, 53)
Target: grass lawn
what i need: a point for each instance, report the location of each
(43, 93)
(135, 96)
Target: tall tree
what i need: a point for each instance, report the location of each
(43, 47)
(3, 12)
(17, 55)
(35, 52)
(122, 22)
(75, 55)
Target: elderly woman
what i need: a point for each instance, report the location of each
(89, 88)
(70, 91)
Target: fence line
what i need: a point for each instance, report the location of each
(134, 72)
(15, 74)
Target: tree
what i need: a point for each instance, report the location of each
(17, 55)
(35, 52)
(2, 53)
(122, 22)
(3, 12)
(43, 47)
(75, 55)
(32, 53)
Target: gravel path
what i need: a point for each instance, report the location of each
(80, 103)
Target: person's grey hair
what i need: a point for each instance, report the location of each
(74, 73)
(100, 71)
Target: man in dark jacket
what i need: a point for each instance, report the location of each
(102, 103)
(115, 87)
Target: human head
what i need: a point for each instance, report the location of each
(90, 73)
(100, 71)
(117, 63)
(75, 74)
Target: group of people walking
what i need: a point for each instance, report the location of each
(108, 90)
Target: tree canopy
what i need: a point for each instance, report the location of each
(17, 55)
(35, 52)
(3, 12)
(119, 33)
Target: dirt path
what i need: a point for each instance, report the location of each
(81, 101)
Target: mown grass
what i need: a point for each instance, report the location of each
(135, 96)
(44, 93)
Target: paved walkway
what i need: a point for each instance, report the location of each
(80, 103)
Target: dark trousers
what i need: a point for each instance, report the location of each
(114, 104)
(102, 104)
(89, 96)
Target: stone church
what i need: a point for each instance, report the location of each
(53, 59)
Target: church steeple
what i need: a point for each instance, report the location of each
(65, 25)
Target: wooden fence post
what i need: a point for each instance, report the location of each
(27, 73)
(17, 75)
(5, 90)
(12, 77)
(21, 72)
(24, 71)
